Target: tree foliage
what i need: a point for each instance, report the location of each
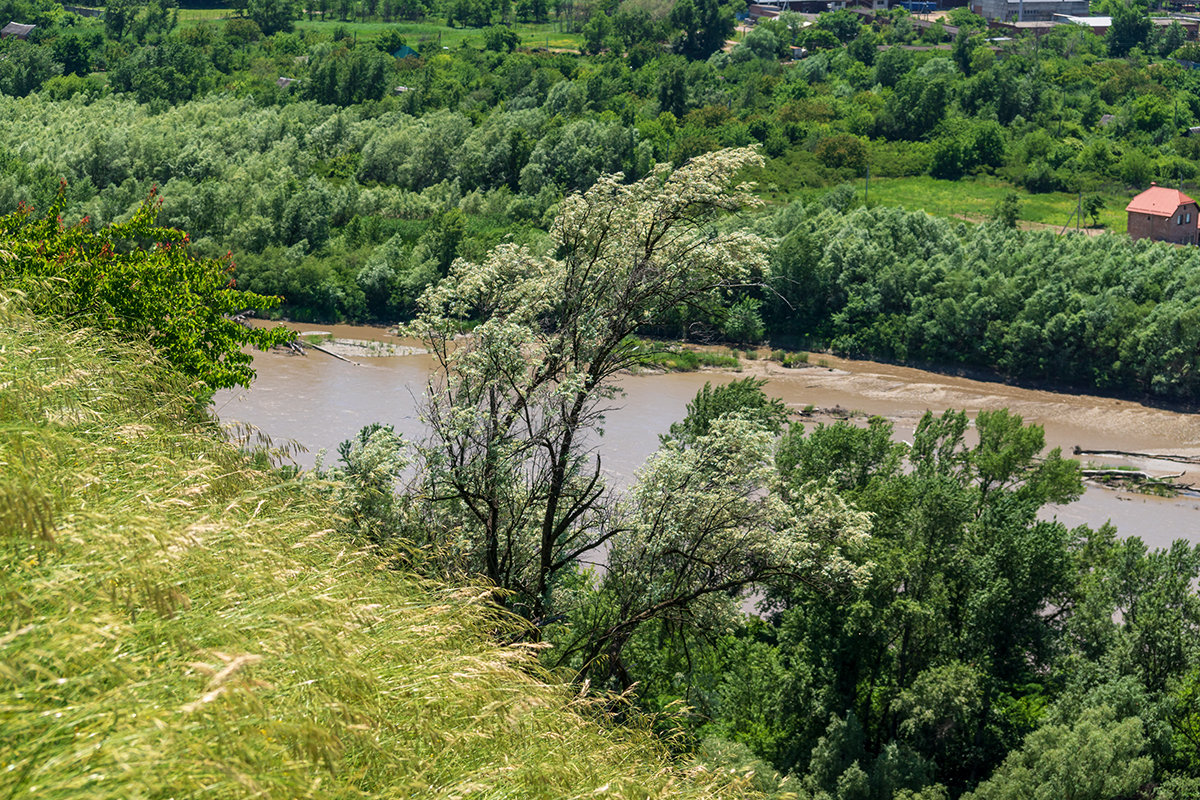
(744, 397)
(1098, 758)
(511, 407)
(704, 26)
(141, 280)
(1088, 311)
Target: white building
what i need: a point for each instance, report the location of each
(1028, 10)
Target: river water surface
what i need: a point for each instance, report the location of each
(318, 401)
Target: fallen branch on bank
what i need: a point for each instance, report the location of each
(1079, 451)
(331, 353)
(1129, 474)
(1140, 480)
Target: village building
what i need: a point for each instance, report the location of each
(1028, 10)
(16, 30)
(1190, 25)
(773, 8)
(1098, 25)
(758, 11)
(1163, 215)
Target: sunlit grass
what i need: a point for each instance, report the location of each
(976, 198)
(543, 35)
(796, 175)
(204, 14)
(180, 621)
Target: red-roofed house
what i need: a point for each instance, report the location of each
(1164, 215)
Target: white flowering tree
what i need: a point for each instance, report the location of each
(706, 520)
(514, 406)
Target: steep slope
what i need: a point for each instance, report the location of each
(179, 622)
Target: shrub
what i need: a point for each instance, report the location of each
(842, 150)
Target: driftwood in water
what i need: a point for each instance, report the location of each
(1079, 451)
(837, 412)
(300, 346)
(1130, 474)
(1140, 478)
(331, 353)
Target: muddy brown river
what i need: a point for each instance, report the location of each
(318, 401)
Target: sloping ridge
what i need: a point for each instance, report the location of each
(180, 622)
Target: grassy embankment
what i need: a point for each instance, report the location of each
(180, 622)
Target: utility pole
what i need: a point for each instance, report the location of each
(1077, 214)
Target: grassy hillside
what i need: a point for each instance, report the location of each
(178, 622)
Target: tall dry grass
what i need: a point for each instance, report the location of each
(176, 622)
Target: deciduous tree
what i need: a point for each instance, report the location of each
(514, 408)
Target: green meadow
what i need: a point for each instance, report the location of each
(975, 198)
(544, 35)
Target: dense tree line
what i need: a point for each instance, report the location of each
(1036, 115)
(1099, 311)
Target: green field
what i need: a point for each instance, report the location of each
(968, 199)
(975, 198)
(191, 15)
(203, 14)
(532, 35)
(543, 35)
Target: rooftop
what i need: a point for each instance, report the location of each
(17, 29)
(1091, 22)
(1159, 201)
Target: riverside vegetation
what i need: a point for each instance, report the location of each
(187, 617)
(350, 190)
(921, 632)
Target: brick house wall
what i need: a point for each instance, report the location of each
(1166, 229)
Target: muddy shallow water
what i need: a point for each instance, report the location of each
(318, 401)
